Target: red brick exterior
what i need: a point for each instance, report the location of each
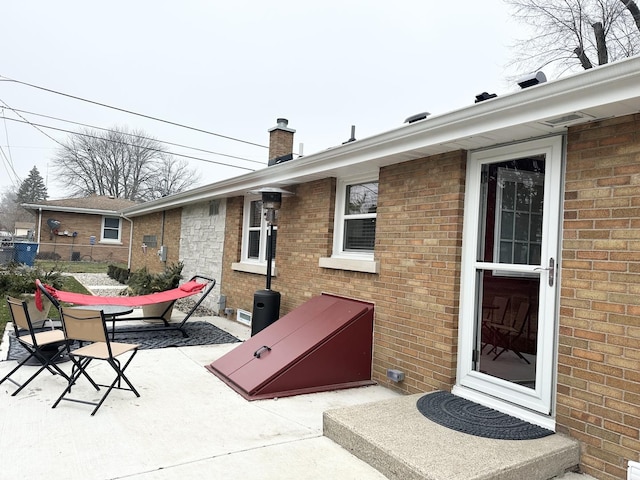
(418, 245)
(416, 292)
(280, 140)
(85, 225)
(598, 399)
(165, 226)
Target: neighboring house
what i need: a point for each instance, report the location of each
(24, 230)
(88, 228)
(522, 210)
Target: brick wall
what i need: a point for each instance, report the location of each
(418, 244)
(85, 225)
(165, 226)
(280, 140)
(598, 399)
(237, 286)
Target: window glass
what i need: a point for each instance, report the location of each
(360, 234)
(255, 214)
(362, 198)
(111, 228)
(359, 223)
(256, 233)
(254, 245)
(519, 202)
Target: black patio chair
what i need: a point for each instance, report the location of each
(85, 325)
(46, 346)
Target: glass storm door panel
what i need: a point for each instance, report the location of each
(509, 284)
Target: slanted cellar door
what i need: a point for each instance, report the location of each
(325, 344)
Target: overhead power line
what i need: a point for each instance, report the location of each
(8, 79)
(39, 126)
(142, 137)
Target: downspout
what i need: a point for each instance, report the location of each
(130, 240)
(39, 226)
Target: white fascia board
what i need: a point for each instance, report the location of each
(614, 85)
(53, 208)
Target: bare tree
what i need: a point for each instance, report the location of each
(11, 211)
(574, 34)
(172, 176)
(119, 163)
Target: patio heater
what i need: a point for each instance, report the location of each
(266, 303)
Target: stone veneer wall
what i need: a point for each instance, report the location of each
(201, 244)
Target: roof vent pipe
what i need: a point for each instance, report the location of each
(353, 135)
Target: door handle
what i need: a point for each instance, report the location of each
(551, 269)
(261, 350)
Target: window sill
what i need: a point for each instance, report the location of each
(110, 242)
(256, 268)
(351, 264)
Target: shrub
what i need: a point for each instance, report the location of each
(18, 278)
(142, 282)
(48, 256)
(118, 273)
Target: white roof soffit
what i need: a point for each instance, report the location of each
(603, 92)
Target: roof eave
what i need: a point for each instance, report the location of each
(54, 208)
(609, 90)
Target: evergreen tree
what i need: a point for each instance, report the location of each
(32, 189)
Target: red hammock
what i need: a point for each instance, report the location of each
(185, 290)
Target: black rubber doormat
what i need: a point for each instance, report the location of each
(200, 333)
(469, 417)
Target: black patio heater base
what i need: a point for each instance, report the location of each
(266, 310)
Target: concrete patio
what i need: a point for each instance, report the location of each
(189, 424)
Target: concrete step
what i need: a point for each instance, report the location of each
(400, 442)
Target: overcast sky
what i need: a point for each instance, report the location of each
(233, 68)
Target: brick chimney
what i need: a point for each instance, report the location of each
(280, 142)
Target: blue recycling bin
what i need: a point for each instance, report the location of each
(25, 253)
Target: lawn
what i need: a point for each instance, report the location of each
(70, 284)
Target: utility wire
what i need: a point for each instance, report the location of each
(7, 79)
(6, 134)
(39, 126)
(11, 172)
(142, 137)
(8, 160)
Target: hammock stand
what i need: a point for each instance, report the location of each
(197, 284)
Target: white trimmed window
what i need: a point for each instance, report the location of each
(354, 234)
(255, 232)
(355, 225)
(111, 229)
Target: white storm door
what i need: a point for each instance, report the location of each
(508, 311)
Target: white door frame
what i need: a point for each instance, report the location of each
(534, 405)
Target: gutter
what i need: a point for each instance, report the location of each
(53, 208)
